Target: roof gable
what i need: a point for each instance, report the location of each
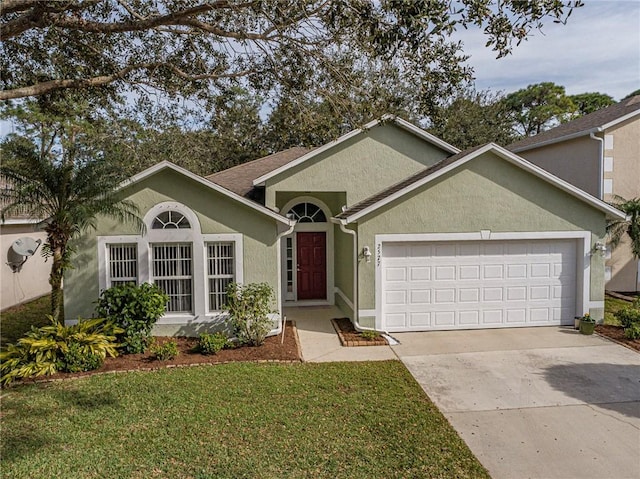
(405, 125)
(594, 122)
(164, 165)
(428, 175)
(239, 179)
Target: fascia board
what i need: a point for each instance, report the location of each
(509, 156)
(620, 120)
(209, 184)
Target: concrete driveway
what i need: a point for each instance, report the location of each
(534, 402)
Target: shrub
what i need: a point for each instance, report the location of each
(77, 359)
(165, 351)
(212, 343)
(370, 335)
(248, 307)
(134, 308)
(629, 318)
(629, 315)
(633, 331)
(53, 348)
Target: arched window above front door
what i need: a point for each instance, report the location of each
(307, 213)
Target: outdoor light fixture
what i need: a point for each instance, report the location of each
(600, 248)
(366, 252)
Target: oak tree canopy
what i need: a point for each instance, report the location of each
(192, 47)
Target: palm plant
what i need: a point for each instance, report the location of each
(53, 171)
(630, 226)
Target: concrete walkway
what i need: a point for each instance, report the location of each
(535, 402)
(319, 341)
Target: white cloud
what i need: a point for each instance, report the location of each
(597, 50)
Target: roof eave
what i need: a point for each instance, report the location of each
(578, 134)
(205, 182)
(610, 211)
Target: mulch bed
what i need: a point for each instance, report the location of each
(270, 351)
(350, 337)
(617, 334)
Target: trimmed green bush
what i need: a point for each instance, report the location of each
(633, 331)
(164, 352)
(212, 343)
(76, 359)
(629, 318)
(629, 315)
(249, 307)
(53, 348)
(134, 308)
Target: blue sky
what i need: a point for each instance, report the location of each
(597, 50)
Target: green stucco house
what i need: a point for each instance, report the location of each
(397, 228)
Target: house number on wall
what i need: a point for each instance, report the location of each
(378, 255)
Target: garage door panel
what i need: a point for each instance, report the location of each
(478, 284)
(420, 296)
(443, 273)
(469, 272)
(395, 274)
(492, 271)
(469, 318)
(516, 316)
(469, 295)
(420, 273)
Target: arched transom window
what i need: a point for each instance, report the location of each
(307, 213)
(170, 220)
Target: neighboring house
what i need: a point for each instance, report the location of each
(599, 153)
(21, 279)
(397, 228)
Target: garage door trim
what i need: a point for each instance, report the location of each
(583, 256)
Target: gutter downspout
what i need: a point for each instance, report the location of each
(600, 165)
(356, 323)
(280, 305)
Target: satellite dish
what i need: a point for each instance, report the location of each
(25, 246)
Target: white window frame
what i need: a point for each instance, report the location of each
(178, 277)
(236, 240)
(199, 241)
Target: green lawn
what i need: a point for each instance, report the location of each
(16, 321)
(611, 305)
(350, 420)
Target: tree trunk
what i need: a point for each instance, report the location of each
(55, 280)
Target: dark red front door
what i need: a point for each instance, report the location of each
(312, 265)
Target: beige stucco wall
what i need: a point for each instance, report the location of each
(32, 281)
(626, 159)
(486, 194)
(625, 270)
(576, 161)
(360, 166)
(216, 214)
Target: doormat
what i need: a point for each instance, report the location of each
(349, 337)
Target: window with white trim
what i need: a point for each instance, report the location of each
(193, 268)
(307, 213)
(122, 264)
(170, 220)
(172, 271)
(220, 272)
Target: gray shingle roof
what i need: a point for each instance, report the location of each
(405, 183)
(580, 126)
(239, 179)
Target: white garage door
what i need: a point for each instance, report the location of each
(478, 284)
